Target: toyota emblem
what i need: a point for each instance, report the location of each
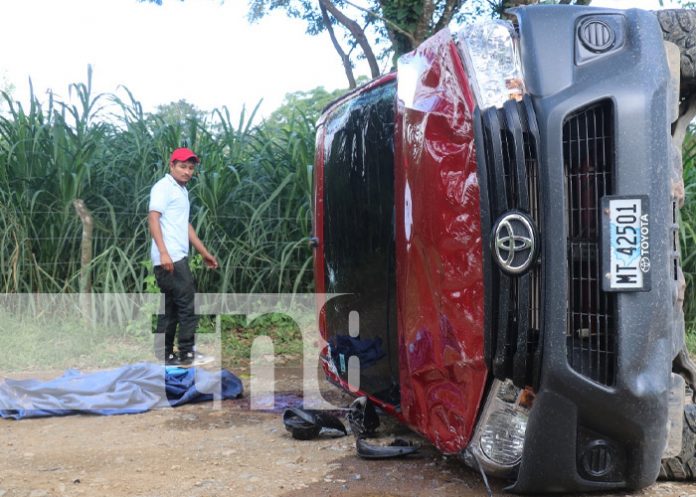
(514, 242)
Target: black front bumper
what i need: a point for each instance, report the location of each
(600, 362)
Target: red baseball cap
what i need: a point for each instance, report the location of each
(183, 155)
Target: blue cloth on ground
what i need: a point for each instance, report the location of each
(130, 389)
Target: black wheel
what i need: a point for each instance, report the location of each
(679, 27)
(683, 466)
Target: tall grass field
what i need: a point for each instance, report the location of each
(250, 197)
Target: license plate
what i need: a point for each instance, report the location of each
(626, 244)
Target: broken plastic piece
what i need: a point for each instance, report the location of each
(306, 425)
(363, 417)
(398, 448)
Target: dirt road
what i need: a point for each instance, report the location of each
(201, 451)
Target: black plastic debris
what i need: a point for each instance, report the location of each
(398, 448)
(363, 417)
(304, 424)
(364, 421)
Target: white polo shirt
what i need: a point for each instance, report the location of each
(171, 200)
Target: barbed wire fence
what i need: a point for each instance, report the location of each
(241, 256)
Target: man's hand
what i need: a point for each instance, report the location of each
(210, 261)
(166, 262)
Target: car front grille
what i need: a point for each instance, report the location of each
(588, 157)
(509, 179)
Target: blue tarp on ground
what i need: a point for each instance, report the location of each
(129, 389)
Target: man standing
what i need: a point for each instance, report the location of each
(168, 219)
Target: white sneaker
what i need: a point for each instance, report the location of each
(195, 359)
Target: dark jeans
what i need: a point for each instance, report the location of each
(179, 290)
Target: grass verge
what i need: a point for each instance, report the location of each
(49, 343)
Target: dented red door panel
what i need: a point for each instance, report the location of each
(439, 277)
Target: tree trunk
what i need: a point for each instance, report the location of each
(451, 7)
(410, 17)
(357, 32)
(423, 25)
(345, 59)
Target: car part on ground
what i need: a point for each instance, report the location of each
(364, 421)
(306, 424)
(397, 448)
(363, 417)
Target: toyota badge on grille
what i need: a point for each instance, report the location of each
(514, 242)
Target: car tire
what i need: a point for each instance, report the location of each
(683, 466)
(679, 27)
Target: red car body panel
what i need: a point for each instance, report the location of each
(439, 274)
(438, 247)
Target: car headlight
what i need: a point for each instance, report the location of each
(491, 56)
(498, 440)
(502, 439)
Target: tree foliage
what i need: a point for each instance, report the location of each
(381, 30)
(302, 104)
(179, 112)
(375, 30)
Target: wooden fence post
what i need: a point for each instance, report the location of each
(85, 282)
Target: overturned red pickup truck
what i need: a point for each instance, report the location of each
(500, 220)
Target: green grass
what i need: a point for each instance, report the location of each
(691, 342)
(237, 336)
(250, 206)
(687, 237)
(55, 344)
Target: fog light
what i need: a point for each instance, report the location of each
(502, 439)
(597, 459)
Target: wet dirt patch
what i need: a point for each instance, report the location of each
(213, 420)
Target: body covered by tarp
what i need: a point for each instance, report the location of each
(130, 389)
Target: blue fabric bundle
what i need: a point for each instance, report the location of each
(368, 351)
(130, 389)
